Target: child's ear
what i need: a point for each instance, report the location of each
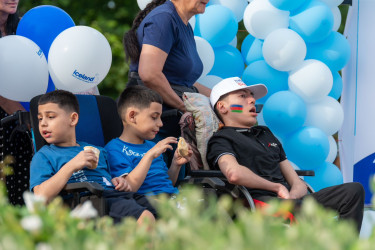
(221, 107)
(130, 116)
(74, 118)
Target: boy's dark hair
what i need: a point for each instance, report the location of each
(65, 99)
(137, 96)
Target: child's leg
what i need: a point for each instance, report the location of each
(125, 204)
(146, 216)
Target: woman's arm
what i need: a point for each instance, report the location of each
(10, 106)
(151, 63)
(203, 89)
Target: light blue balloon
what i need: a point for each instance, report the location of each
(218, 25)
(307, 147)
(313, 21)
(287, 4)
(261, 72)
(284, 112)
(326, 175)
(337, 86)
(251, 49)
(334, 51)
(228, 62)
(197, 31)
(237, 6)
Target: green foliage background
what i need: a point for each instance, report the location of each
(113, 18)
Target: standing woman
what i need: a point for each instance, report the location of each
(162, 50)
(19, 147)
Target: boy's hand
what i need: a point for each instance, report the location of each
(283, 192)
(161, 147)
(84, 159)
(180, 160)
(121, 184)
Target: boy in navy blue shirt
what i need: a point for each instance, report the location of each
(65, 160)
(133, 156)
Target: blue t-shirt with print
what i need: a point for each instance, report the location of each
(50, 158)
(164, 29)
(123, 157)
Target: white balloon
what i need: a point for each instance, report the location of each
(23, 69)
(79, 59)
(326, 115)
(312, 80)
(332, 150)
(209, 80)
(206, 54)
(332, 3)
(142, 3)
(336, 18)
(192, 22)
(234, 42)
(261, 18)
(237, 6)
(284, 49)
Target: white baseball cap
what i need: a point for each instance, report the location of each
(232, 84)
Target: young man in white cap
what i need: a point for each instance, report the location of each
(253, 157)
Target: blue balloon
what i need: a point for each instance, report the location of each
(334, 51)
(284, 112)
(43, 24)
(26, 105)
(307, 147)
(313, 21)
(228, 62)
(337, 86)
(326, 175)
(218, 25)
(251, 49)
(261, 72)
(287, 4)
(197, 31)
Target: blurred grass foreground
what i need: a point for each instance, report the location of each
(191, 221)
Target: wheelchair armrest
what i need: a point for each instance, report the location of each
(93, 187)
(206, 173)
(171, 113)
(213, 182)
(305, 172)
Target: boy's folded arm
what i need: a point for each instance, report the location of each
(53, 186)
(241, 175)
(138, 175)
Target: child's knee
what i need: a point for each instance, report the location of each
(146, 216)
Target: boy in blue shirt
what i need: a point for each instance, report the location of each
(65, 160)
(133, 156)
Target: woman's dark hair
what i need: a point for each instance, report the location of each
(130, 40)
(11, 24)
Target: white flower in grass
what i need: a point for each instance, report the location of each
(43, 246)
(31, 223)
(33, 201)
(84, 211)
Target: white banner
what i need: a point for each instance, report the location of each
(357, 135)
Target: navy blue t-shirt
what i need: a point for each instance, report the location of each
(163, 28)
